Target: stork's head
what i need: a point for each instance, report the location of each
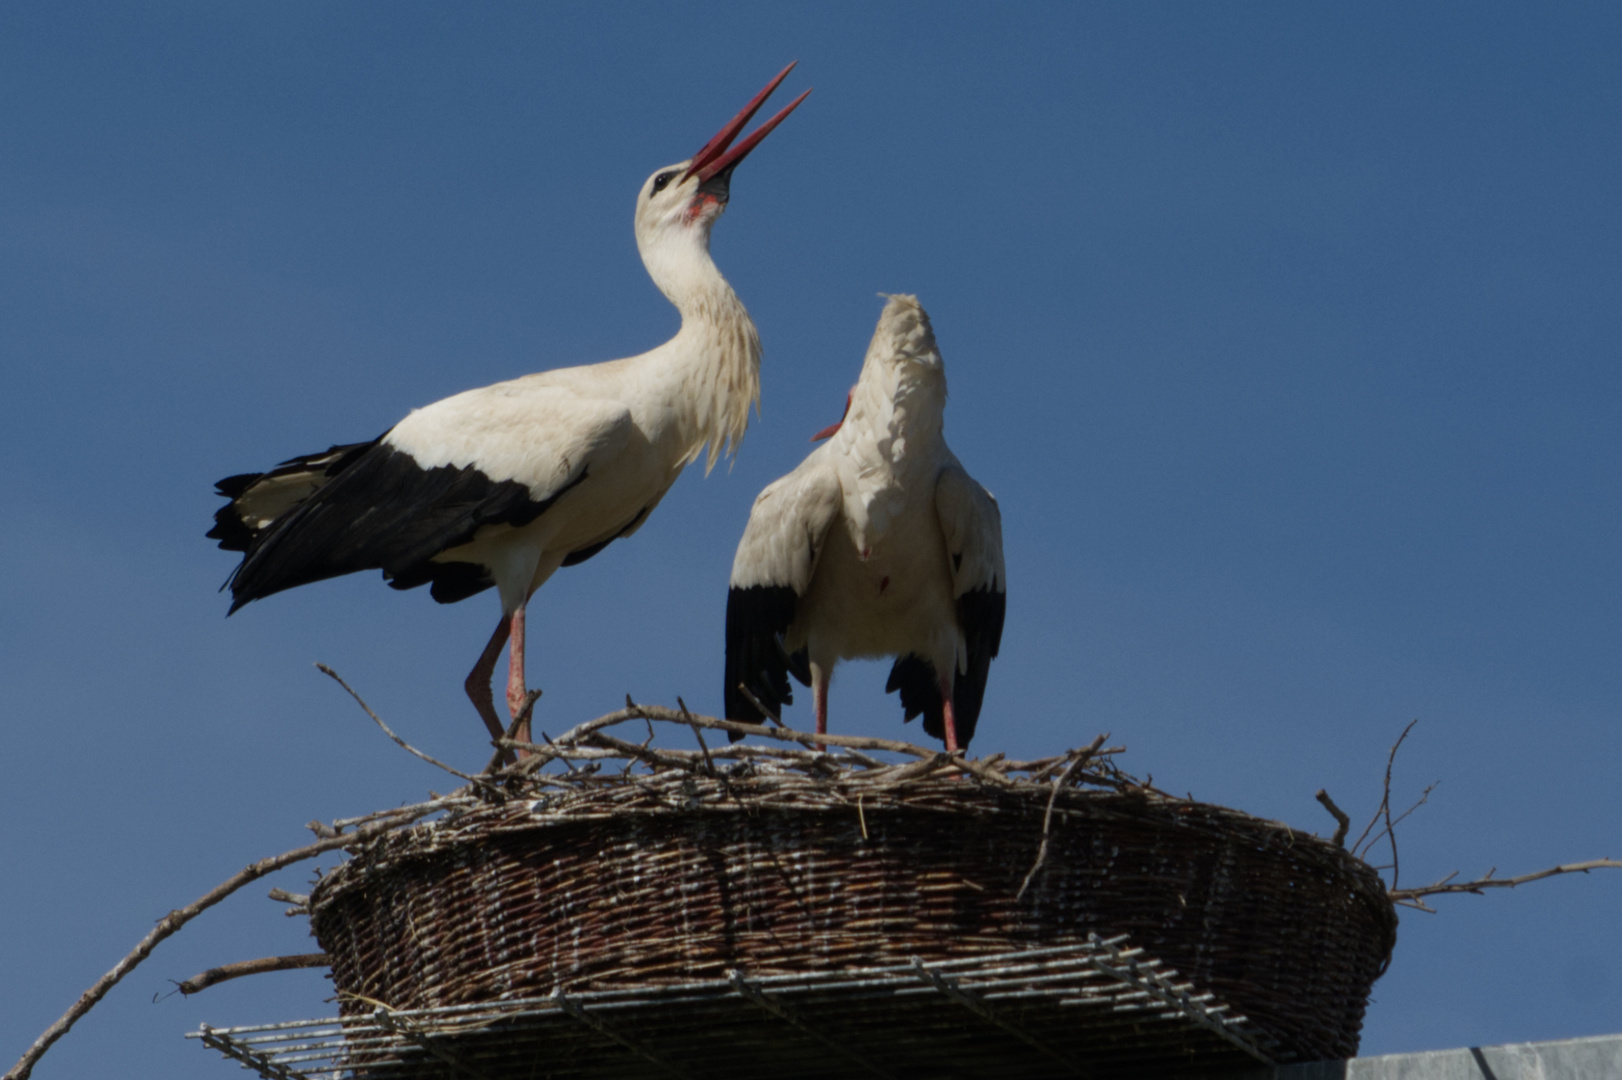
(680, 202)
(902, 390)
(902, 377)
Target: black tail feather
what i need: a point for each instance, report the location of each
(757, 618)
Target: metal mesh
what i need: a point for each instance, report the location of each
(1101, 1008)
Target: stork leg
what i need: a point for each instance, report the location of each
(819, 700)
(517, 689)
(948, 716)
(510, 628)
(478, 680)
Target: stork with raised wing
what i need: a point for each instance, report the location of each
(878, 544)
(503, 485)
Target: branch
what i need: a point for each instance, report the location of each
(325, 670)
(1047, 817)
(380, 823)
(1342, 822)
(1411, 897)
(226, 972)
(1385, 799)
(503, 755)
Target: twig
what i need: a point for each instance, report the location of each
(414, 811)
(644, 753)
(1342, 822)
(1411, 897)
(1070, 760)
(756, 702)
(1424, 797)
(173, 921)
(781, 734)
(698, 734)
(504, 756)
(226, 972)
(325, 670)
(1385, 798)
(1047, 820)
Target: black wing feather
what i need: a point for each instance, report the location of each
(379, 509)
(980, 613)
(920, 692)
(233, 531)
(757, 618)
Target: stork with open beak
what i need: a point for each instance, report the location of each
(878, 544)
(502, 485)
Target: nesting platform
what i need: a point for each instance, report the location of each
(737, 911)
(1100, 1010)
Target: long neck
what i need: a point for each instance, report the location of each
(899, 406)
(718, 348)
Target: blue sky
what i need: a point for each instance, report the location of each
(1287, 336)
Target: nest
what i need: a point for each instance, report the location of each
(686, 865)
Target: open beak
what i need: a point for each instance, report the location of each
(715, 159)
(829, 431)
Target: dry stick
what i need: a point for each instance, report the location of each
(553, 749)
(698, 734)
(1411, 897)
(1424, 797)
(756, 702)
(503, 755)
(1342, 822)
(1385, 800)
(226, 972)
(417, 810)
(296, 898)
(325, 670)
(575, 740)
(642, 753)
(1069, 760)
(176, 919)
(1047, 820)
(781, 734)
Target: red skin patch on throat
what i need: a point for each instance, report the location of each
(700, 203)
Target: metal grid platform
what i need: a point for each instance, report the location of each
(1099, 1009)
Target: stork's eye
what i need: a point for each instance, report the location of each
(663, 180)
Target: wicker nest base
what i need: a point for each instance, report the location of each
(650, 881)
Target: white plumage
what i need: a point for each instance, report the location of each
(502, 485)
(878, 544)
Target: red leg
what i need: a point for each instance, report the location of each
(951, 719)
(478, 680)
(819, 701)
(517, 689)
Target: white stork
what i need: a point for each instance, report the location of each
(879, 544)
(505, 484)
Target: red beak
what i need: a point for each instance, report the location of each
(715, 158)
(828, 432)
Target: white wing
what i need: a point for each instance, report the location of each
(528, 430)
(770, 573)
(972, 525)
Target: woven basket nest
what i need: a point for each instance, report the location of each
(671, 866)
